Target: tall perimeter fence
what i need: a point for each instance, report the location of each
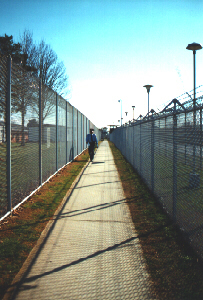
(166, 150)
(40, 132)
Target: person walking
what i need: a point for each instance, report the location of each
(91, 140)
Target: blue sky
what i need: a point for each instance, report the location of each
(112, 48)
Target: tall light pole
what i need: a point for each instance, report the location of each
(133, 111)
(194, 47)
(194, 178)
(121, 110)
(148, 87)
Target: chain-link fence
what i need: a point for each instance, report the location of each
(166, 151)
(40, 132)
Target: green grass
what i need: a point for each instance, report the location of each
(175, 270)
(25, 169)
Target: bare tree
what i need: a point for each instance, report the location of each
(44, 64)
(23, 90)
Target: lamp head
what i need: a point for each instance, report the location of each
(148, 86)
(194, 46)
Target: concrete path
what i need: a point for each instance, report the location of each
(92, 252)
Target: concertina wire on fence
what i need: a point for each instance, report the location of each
(166, 151)
(32, 150)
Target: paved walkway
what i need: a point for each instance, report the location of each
(92, 251)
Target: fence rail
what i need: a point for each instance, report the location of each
(166, 151)
(40, 132)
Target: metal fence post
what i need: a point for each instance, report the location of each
(66, 132)
(200, 138)
(8, 134)
(133, 146)
(159, 135)
(56, 131)
(72, 132)
(81, 133)
(77, 133)
(140, 149)
(86, 132)
(40, 132)
(165, 135)
(174, 162)
(152, 154)
(185, 139)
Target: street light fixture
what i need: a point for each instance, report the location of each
(148, 87)
(194, 178)
(121, 110)
(133, 111)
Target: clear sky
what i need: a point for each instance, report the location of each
(111, 48)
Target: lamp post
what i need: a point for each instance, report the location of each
(194, 47)
(148, 87)
(133, 111)
(121, 110)
(194, 178)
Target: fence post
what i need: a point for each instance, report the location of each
(174, 162)
(73, 133)
(133, 145)
(40, 132)
(159, 136)
(77, 133)
(81, 133)
(165, 139)
(8, 134)
(140, 150)
(185, 138)
(152, 154)
(86, 132)
(200, 138)
(66, 132)
(56, 131)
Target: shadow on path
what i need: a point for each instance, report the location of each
(124, 243)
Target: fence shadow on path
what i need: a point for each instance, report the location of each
(62, 215)
(19, 285)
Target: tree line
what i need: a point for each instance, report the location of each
(31, 61)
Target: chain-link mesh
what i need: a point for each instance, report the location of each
(75, 129)
(79, 132)
(3, 156)
(49, 131)
(24, 143)
(46, 133)
(69, 132)
(166, 150)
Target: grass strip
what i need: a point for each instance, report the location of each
(175, 270)
(20, 232)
